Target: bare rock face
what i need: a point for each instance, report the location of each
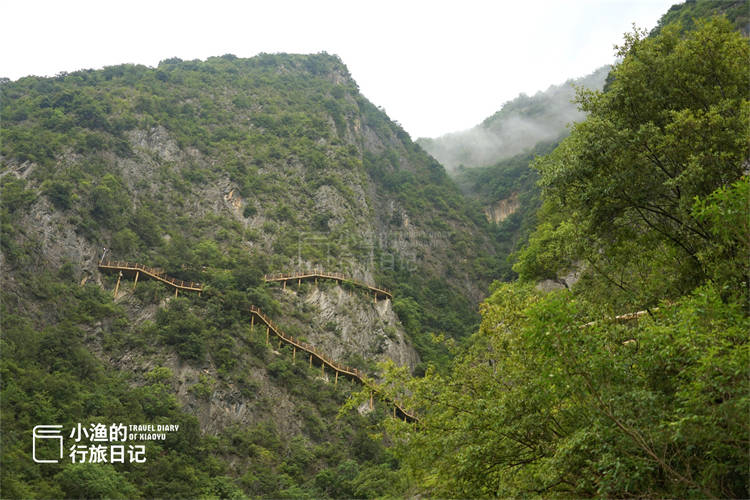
(347, 322)
(502, 209)
(155, 141)
(566, 280)
(351, 210)
(218, 403)
(344, 322)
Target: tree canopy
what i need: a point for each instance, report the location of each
(669, 134)
(648, 197)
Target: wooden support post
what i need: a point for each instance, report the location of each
(284, 285)
(117, 286)
(268, 331)
(294, 353)
(299, 282)
(337, 378)
(371, 402)
(322, 369)
(310, 360)
(135, 282)
(376, 297)
(175, 292)
(252, 320)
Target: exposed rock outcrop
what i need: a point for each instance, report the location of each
(346, 323)
(502, 209)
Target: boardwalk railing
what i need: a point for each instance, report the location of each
(152, 272)
(622, 318)
(325, 361)
(318, 274)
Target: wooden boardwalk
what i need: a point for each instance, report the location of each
(314, 354)
(323, 360)
(624, 318)
(318, 274)
(136, 269)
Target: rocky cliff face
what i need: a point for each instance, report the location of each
(347, 324)
(502, 209)
(220, 172)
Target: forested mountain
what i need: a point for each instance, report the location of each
(490, 162)
(636, 381)
(219, 172)
(510, 198)
(685, 14)
(518, 126)
(214, 176)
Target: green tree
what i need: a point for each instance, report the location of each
(109, 201)
(124, 242)
(553, 398)
(671, 128)
(182, 328)
(95, 481)
(542, 405)
(59, 193)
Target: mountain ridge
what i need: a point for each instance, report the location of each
(519, 125)
(219, 172)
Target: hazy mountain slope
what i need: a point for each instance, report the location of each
(218, 172)
(519, 125)
(510, 197)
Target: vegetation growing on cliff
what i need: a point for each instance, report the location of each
(223, 170)
(218, 172)
(650, 195)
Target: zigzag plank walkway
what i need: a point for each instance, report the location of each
(355, 374)
(151, 272)
(398, 410)
(318, 274)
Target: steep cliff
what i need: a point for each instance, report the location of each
(219, 172)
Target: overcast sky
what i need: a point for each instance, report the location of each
(435, 66)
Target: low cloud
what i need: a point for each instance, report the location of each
(519, 125)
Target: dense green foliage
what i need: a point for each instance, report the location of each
(49, 374)
(218, 172)
(280, 128)
(223, 170)
(685, 14)
(624, 192)
(543, 406)
(648, 197)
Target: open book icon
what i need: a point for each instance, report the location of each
(47, 432)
